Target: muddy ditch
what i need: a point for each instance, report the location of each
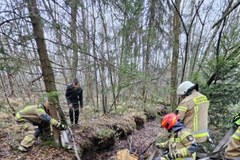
(102, 137)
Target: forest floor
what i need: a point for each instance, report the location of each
(137, 142)
(115, 132)
(98, 137)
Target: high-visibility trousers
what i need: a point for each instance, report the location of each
(28, 131)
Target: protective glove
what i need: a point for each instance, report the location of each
(170, 156)
(61, 126)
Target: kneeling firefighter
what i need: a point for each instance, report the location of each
(181, 144)
(31, 116)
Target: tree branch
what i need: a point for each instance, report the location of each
(226, 13)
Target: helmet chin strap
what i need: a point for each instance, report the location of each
(189, 92)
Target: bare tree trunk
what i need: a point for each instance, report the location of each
(95, 63)
(73, 5)
(85, 49)
(104, 88)
(49, 79)
(95, 66)
(110, 68)
(150, 35)
(175, 55)
(60, 49)
(187, 33)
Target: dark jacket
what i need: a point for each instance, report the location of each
(73, 95)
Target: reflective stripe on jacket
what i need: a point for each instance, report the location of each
(192, 110)
(233, 149)
(179, 143)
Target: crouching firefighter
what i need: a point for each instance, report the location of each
(31, 116)
(181, 144)
(232, 151)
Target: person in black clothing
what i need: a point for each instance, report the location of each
(74, 96)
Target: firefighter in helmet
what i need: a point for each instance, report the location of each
(34, 119)
(181, 143)
(193, 112)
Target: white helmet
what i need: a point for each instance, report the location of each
(184, 87)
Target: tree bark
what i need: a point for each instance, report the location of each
(48, 75)
(95, 66)
(110, 68)
(175, 55)
(73, 29)
(150, 35)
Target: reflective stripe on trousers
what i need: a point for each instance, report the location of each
(200, 133)
(29, 132)
(187, 158)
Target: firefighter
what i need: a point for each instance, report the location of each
(232, 151)
(181, 143)
(74, 96)
(34, 119)
(193, 112)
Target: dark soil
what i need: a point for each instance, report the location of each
(136, 143)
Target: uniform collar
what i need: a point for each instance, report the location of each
(178, 126)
